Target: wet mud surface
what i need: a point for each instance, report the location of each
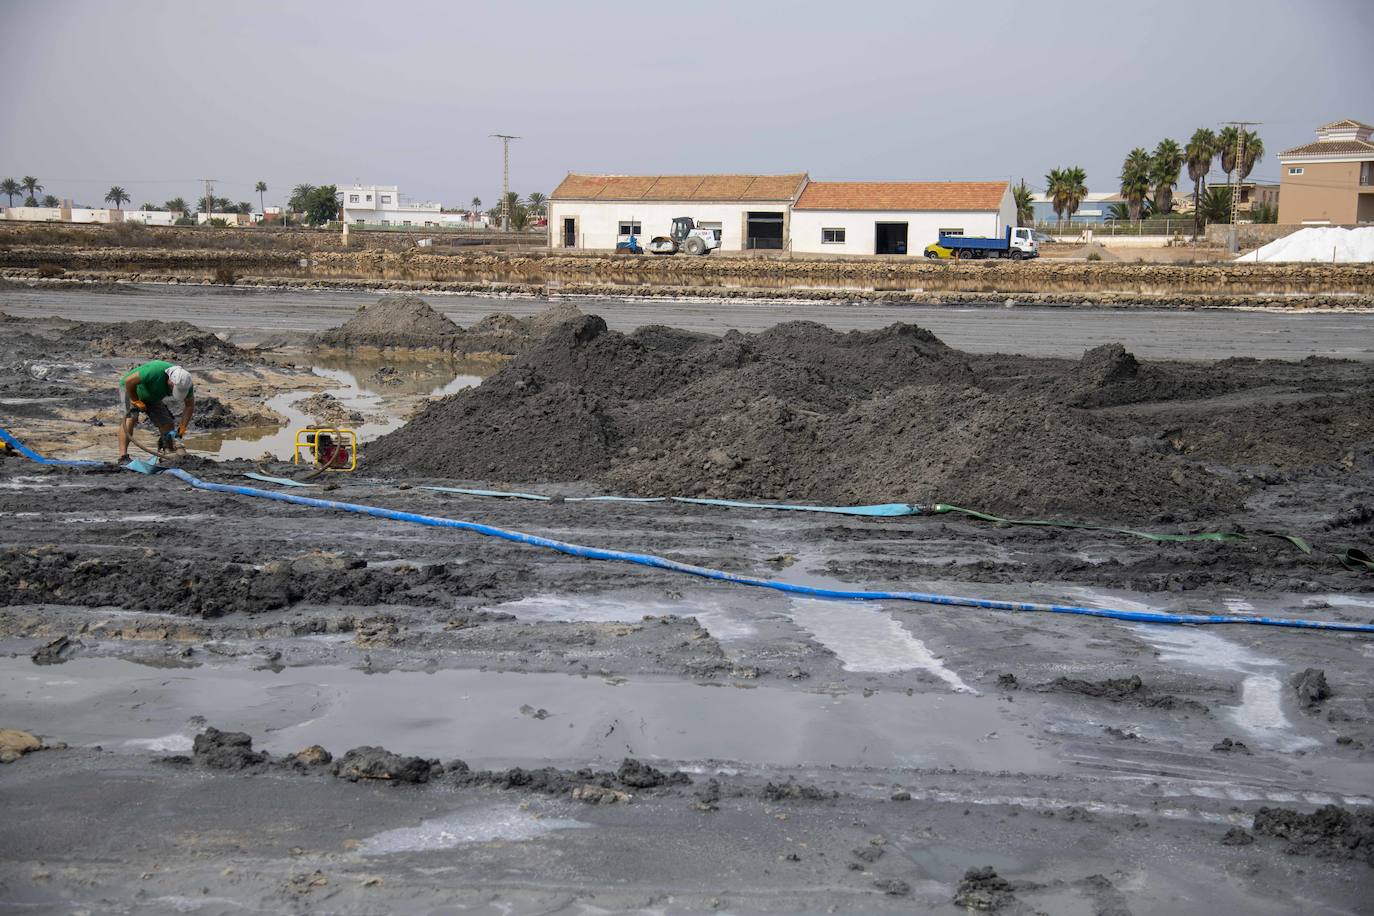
(276, 709)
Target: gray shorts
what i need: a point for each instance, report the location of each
(156, 411)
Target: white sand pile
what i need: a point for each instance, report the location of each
(1325, 244)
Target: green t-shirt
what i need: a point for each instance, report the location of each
(153, 384)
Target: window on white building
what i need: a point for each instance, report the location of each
(386, 198)
(405, 222)
(360, 221)
(1295, 170)
(386, 222)
(353, 198)
(958, 231)
(369, 198)
(630, 228)
(832, 236)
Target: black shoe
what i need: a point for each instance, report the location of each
(123, 460)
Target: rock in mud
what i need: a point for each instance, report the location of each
(600, 795)
(312, 756)
(1330, 832)
(378, 763)
(15, 744)
(1311, 687)
(982, 889)
(1237, 836)
(639, 775)
(53, 653)
(1229, 746)
(225, 750)
(893, 887)
(1123, 690)
(793, 791)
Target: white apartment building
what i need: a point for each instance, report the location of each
(381, 205)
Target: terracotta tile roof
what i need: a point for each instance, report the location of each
(679, 187)
(1346, 123)
(902, 195)
(1331, 148)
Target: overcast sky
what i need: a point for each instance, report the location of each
(153, 94)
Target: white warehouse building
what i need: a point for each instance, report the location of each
(897, 217)
(778, 212)
(745, 211)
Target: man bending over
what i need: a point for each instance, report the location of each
(155, 388)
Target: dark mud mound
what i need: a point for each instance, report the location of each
(1329, 832)
(400, 320)
(982, 889)
(212, 413)
(148, 339)
(502, 333)
(796, 412)
(151, 581)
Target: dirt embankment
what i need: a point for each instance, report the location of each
(912, 279)
(802, 412)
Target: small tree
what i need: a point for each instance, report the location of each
(321, 204)
(1216, 205)
(261, 188)
(1066, 188)
(10, 187)
(477, 205)
(31, 187)
(298, 197)
(176, 205)
(117, 196)
(51, 201)
(538, 203)
(245, 208)
(1025, 205)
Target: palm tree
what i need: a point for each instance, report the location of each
(10, 187)
(1165, 164)
(51, 201)
(176, 205)
(537, 202)
(1025, 211)
(1199, 153)
(299, 194)
(1227, 139)
(245, 208)
(477, 204)
(261, 188)
(1066, 187)
(117, 196)
(1216, 205)
(31, 185)
(1135, 180)
(1251, 152)
(146, 208)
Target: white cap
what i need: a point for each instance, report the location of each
(181, 382)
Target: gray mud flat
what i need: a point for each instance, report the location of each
(427, 720)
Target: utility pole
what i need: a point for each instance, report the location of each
(1240, 126)
(505, 178)
(209, 198)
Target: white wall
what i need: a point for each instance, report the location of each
(34, 214)
(923, 227)
(91, 215)
(599, 221)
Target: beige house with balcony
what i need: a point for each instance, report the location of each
(1329, 182)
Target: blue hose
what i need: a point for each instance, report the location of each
(657, 562)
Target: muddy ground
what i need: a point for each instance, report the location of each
(572, 736)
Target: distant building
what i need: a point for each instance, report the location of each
(1329, 181)
(64, 214)
(381, 205)
(896, 217)
(230, 219)
(151, 217)
(1094, 208)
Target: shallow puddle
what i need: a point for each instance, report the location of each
(506, 823)
(865, 638)
(477, 716)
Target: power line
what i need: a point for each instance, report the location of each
(505, 178)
